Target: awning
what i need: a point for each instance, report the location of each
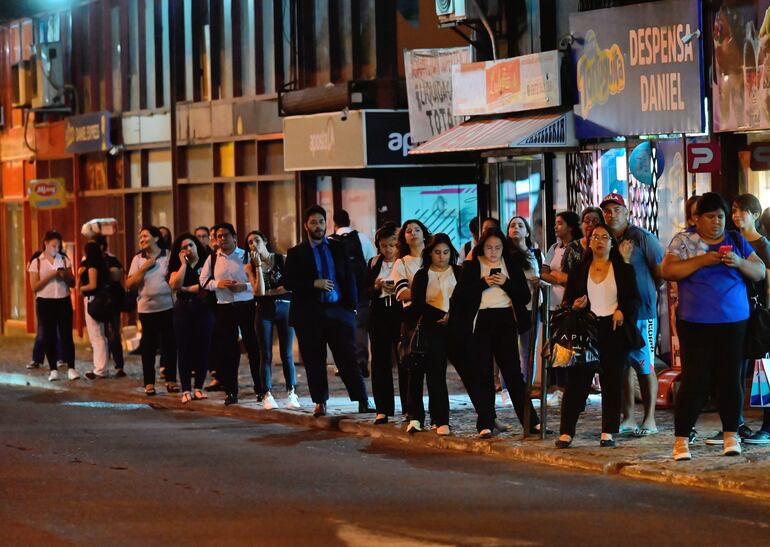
(539, 131)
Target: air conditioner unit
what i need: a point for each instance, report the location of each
(23, 76)
(453, 12)
(50, 75)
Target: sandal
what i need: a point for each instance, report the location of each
(171, 387)
(186, 397)
(149, 390)
(199, 394)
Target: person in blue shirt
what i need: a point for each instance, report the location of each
(710, 266)
(644, 252)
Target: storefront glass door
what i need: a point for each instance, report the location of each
(17, 306)
(521, 193)
(446, 209)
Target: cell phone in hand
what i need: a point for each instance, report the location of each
(495, 271)
(724, 249)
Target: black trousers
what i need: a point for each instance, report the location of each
(193, 324)
(158, 332)
(229, 319)
(495, 339)
(384, 331)
(335, 327)
(55, 318)
(612, 358)
(709, 350)
(112, 326)
(433, 368)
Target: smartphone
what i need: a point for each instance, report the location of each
(495, 271)
(724, 249)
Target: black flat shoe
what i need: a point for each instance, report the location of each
(364, 408)
(213, 386)
(320, 410)
(231, 400)
(607, 443)
(562, 444)
(171, 387)
(120, 373)
(381, 421)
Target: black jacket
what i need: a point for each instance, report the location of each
(301, 272)
(430, 315)
(467, 295)
(628, 296)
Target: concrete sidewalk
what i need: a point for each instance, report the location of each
(646, 458)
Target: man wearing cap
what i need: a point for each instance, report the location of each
(644, 252)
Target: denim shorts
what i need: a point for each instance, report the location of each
(643, 359)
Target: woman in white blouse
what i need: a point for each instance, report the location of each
(492, 287)
(432, 289)
(51, 278)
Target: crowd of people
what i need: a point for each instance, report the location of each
(418, 304)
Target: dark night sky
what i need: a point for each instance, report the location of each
(10, 9)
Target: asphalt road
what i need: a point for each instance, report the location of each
(76, 473)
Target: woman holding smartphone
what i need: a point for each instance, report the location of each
(385, 324)
(193, 316)
(51, 278)
(710, 266)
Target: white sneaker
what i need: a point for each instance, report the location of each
(73, 374)
(506, 398)
(268, 401)
(414, 426)
(732, 446)
(292, 401)
(443, 431)
(53, 376)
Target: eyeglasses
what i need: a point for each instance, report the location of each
(603, 237)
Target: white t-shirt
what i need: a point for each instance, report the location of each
(603, 296)
(386, 270)
(403, 273)
(440, 287)
(553, 261)
(154, 291)
(56, 288)
(228, 266)
(494, 296)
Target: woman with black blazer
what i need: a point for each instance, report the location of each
(385, 324)
(606, 285)
(432, 289)
(492, 292)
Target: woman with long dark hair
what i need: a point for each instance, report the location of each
(492, 286)
(432, 289)
(385, 324)
(193, 316)
(576, 250)
(606, 285)
(94, 277)
(273, 302)
(50, 278)
(155, 306)
(567, 229)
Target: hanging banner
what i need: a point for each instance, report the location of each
(521, 83)
(741, 66)
(638, 70)
(47, 193)
(429, 89)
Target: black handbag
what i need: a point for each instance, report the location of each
(413, 346)
(101, 306)
(758, 332)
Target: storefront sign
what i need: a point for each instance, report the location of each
(741, 83)
(507, 85)
(760, 156)
(364, 138)
(638, 69)
(429, 89)
(703, 157)
(88, 133)
(47, 193)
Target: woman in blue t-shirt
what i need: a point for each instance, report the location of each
(710, 266)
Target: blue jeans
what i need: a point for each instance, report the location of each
(285, 342)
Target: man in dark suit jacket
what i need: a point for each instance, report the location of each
(320, 278)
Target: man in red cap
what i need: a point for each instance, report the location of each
(644, 252)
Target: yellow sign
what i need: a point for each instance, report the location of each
(47, 193)
(600, 73)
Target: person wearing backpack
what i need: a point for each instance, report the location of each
(359, 250)
(51, 278)
(93, 277)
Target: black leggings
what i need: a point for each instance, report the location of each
(158, 332)
(612, 358)
(433, 368)
(55, 317)
(706, 350)
(384, 332)
(495, 339)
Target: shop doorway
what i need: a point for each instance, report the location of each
(442, 208)
(521, 192)
(14, 224)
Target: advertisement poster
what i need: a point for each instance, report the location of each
(638, 70)
(429, 89)
(446, 209)
(521, 83)
(741, 75)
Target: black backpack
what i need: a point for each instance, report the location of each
(355, 254)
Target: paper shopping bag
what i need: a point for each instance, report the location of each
(760, 387)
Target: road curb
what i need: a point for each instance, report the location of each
(528, 451)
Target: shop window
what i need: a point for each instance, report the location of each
(324, 196)
(446, 209)
(521, 194)
(282, 220)
(358, 200)
(14, 224)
